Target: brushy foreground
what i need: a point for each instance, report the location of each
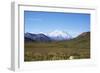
(39, 51)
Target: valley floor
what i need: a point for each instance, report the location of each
(39, 51)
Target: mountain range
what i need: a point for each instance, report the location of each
(52, 36)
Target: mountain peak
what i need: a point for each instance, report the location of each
(59, 35)
(57, 32)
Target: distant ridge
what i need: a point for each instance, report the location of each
(52, 36)
(36, 37)
(84, 34)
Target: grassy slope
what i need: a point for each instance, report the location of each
(78, 47)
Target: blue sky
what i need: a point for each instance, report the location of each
(72, 23)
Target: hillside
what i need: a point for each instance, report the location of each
(81, 41)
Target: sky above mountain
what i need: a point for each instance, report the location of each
(45, 22)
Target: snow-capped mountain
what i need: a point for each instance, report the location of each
(46, 37)
(59, 35)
